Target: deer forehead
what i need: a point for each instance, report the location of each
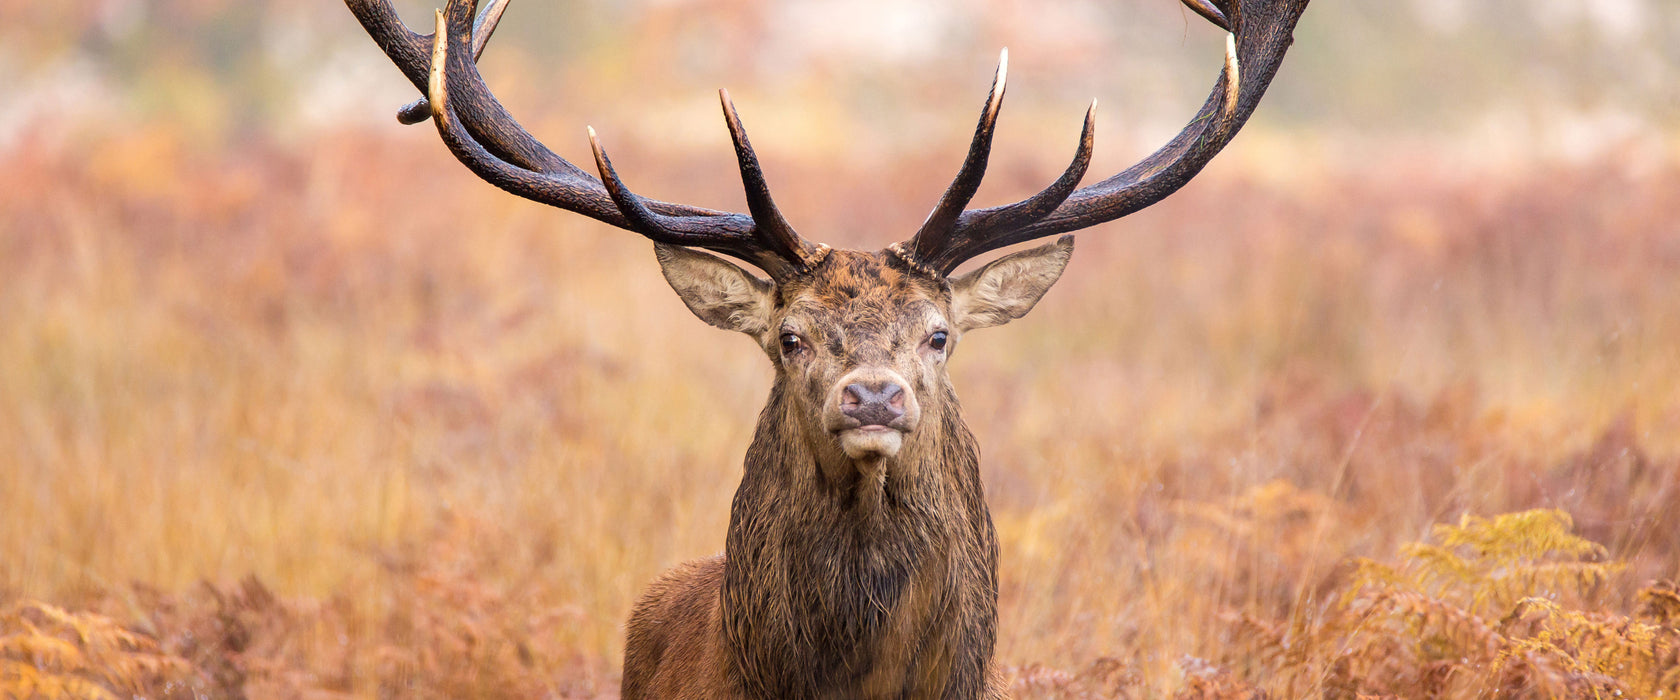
(859, 295)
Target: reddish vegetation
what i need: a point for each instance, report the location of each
(417, 457)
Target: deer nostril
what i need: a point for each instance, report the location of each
(894, 395)
(870, 406)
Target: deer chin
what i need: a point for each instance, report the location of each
(871, 442)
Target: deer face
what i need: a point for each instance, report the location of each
(860, 342)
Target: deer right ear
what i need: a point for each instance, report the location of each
(717, 291)
(1008, 287)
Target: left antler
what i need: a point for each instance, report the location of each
(485, 137)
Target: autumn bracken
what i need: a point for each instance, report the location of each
(243, 418)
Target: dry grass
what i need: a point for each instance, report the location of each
(335, 419)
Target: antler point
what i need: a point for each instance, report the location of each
(437, 89)
(729, 114)
(1233, 84)
(1002, 76)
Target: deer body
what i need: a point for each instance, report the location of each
(860, 560)
(808, 603)
(864, 574)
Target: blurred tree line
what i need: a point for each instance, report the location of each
(231, 69)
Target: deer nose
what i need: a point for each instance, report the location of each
(873, 403)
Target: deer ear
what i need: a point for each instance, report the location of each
(717, 291)
(1008, 287)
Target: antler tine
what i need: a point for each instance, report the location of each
(483, 136)
(642, 219)
(1260, 35)
(482, 115)
(1013, 216)
(632, 212)
(1209, 12)
(485, 118)
(937, 227)
(483, 28)
(450, 85)
(771, 228)
(745, 241)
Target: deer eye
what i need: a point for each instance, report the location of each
(937, 340)
(791, 344)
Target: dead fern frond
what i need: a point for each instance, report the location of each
(1514, 538)
(1507, 606)
(1204, 681)
(1439, 570)
(1660, 603)
(49, 652)
(41, 650)
(21, 680)
(1489, 564)
(1604, 651)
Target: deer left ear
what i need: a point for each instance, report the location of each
(1007, 288)
(718, 292)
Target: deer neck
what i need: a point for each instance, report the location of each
(833, 568)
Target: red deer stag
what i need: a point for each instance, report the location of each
(860, 559)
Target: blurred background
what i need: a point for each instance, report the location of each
(1507, 80)
(286, 389)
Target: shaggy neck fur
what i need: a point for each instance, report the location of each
(866, 580)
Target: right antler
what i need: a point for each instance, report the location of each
(1260, 33)
(485, 137)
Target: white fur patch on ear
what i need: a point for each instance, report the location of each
(1008, 287)
(717, 291)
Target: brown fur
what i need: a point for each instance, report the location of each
(676, 628)
(872, 578)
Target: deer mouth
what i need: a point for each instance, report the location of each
(870, 442)
(864, 440)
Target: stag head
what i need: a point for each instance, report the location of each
(862, 339)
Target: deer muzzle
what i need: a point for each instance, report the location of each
(870, 411)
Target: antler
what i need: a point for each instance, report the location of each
(481, 134)
(483, 28)
(1260, 33)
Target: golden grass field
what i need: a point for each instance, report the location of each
(321, 415)
(308, 436)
